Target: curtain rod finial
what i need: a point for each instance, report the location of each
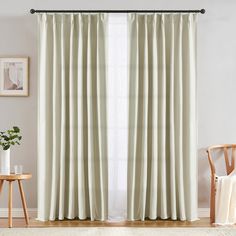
(32, 11)
(203, 11)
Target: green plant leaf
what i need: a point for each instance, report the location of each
(13, 137)
(6, 138)
(16, 129)
(6, 147)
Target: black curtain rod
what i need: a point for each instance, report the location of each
(202, 11)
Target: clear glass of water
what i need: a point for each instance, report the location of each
(18, 169)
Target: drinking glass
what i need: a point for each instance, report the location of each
(18, 169)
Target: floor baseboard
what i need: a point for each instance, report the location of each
(203, 212)
(18, 212)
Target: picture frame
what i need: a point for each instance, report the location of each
(14, 76)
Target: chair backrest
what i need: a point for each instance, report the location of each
(229, 159)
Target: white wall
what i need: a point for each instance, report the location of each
(216, 75)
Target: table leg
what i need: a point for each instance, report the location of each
(23, 202)
(10, 205)
(1, 185)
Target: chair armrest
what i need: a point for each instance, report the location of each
(212, 166)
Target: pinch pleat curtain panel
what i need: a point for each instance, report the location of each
(72, 136)
(162, 165)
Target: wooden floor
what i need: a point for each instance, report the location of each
(19, 223)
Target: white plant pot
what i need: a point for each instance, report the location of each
(4, 162)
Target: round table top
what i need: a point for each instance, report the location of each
(13, 176)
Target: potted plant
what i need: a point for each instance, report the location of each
(8, 138)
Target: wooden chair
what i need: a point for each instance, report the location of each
(230, 164)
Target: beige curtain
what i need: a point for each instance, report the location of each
(162, 167)
(72, 141)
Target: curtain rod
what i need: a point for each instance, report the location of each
(202, 11)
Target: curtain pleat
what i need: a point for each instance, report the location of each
(162, 167)
(72, 139)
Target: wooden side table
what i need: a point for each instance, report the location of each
(10, 178)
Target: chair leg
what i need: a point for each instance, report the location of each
(1, 185)
(212, 206)
(10, 205)
(23, 202)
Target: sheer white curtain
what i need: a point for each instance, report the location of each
(117, 92)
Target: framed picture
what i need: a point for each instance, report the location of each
(14, 74)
